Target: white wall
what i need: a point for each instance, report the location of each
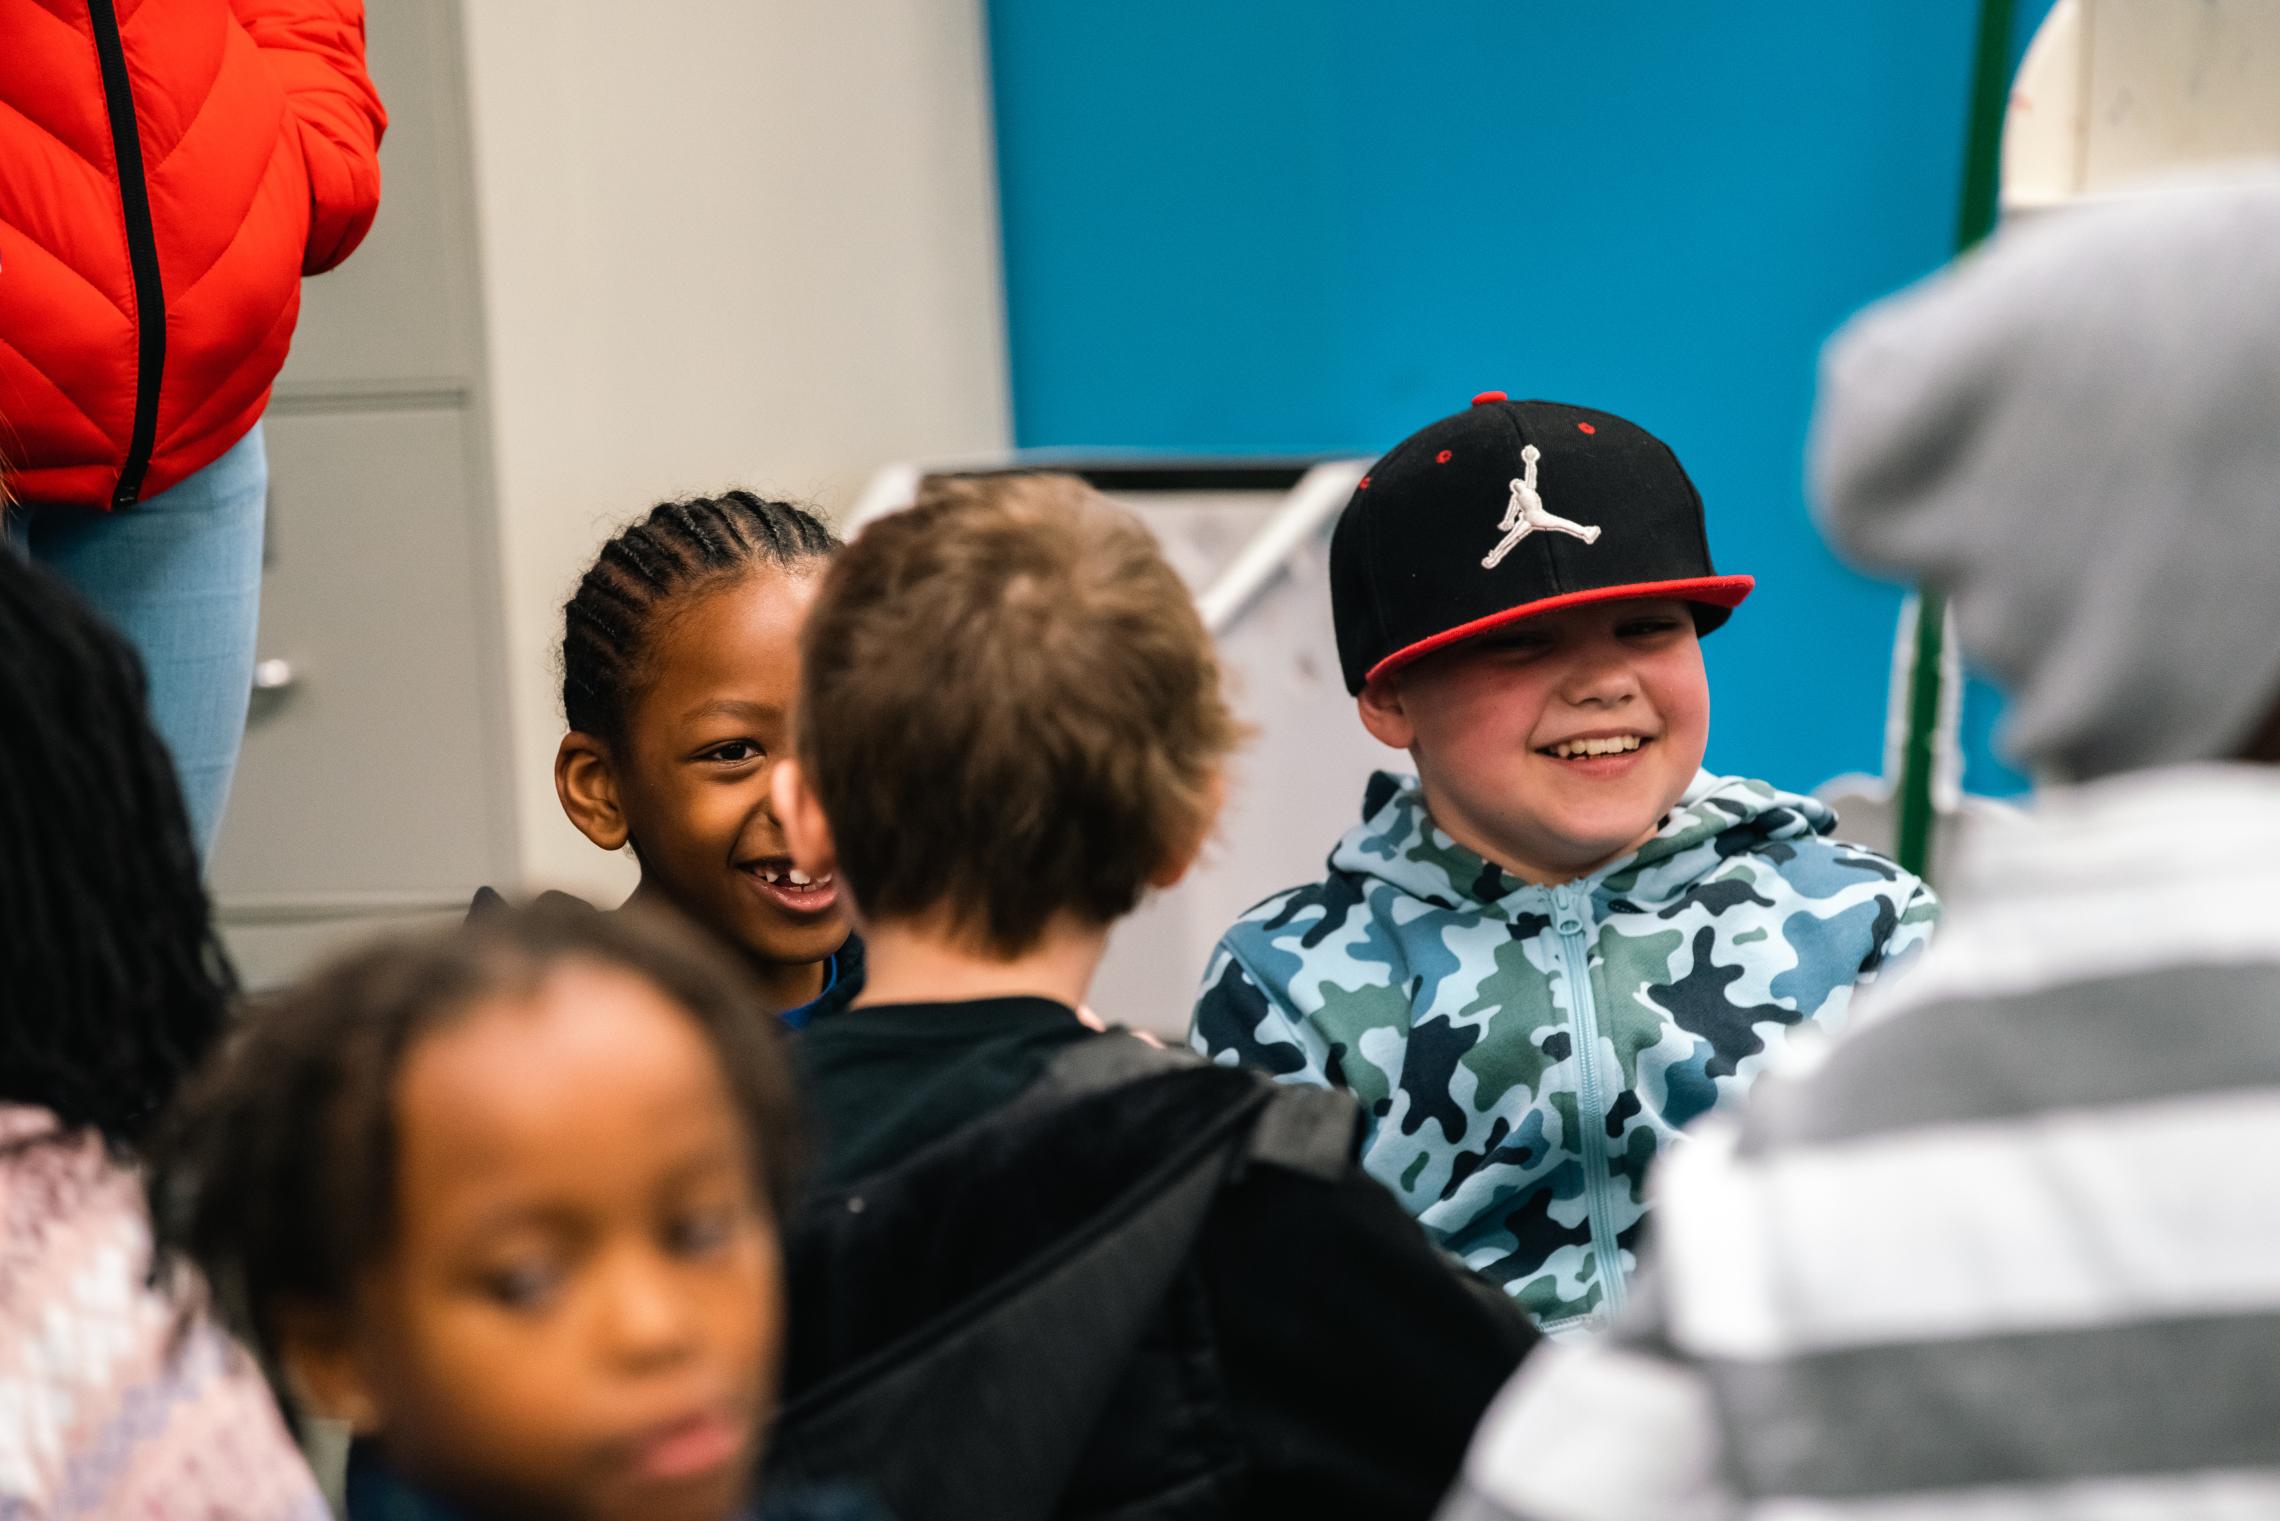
(724, 242)
(2115, 93)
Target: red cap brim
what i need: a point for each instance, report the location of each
(1713, 591)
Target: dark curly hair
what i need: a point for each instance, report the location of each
(276, 1175)
(679, 548)
(113, 985)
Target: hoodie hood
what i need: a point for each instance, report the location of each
(1398, 843)
(2072, 434)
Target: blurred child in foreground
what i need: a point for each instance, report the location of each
(505, 1202)
(2006, 1251)
(115, 1398)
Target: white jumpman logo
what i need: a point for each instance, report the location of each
(1526, 514)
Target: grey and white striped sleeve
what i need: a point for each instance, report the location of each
(1617, 1430)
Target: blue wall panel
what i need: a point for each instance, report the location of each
(1271, 226)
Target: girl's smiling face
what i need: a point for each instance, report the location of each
(1559, 743)
(688, 783)
(580, 1313)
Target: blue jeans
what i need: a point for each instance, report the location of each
(180, 575)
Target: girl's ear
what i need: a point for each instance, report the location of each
(807, 833)
(322, 1369)
(587, 784)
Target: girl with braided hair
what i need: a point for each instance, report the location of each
(680, 661)
(119, 1398)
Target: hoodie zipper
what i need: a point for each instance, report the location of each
(142, 250)
(1591, 1102)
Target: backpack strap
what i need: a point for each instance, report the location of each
(1021, 1375)
(1024, 1371)
(1316, 1131)
(1303, 1128)
(1086, 1067)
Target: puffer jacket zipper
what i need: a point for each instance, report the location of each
(142, 251)
(1569, 905)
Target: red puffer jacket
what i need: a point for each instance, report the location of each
(168, 171)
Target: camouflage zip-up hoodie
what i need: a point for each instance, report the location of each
(1524, 1051)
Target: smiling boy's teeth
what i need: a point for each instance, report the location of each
(791, 876)
(1616, 745)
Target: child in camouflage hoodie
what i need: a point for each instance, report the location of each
(1564, 940)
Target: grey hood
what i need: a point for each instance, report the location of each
(2075, 433)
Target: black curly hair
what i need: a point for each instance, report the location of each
(113, 984)
(275, 1176)
(678, 548)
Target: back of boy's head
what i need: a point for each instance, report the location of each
(276, 1176)
(678, 550)
(112, 983)
(1010, 710)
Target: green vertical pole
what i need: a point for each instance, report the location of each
(1975, 218)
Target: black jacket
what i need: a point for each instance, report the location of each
(1142, 1286)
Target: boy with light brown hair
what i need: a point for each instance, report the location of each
(1053, 1271)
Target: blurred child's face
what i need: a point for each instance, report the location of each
(1559, 743)
(702, 737)
(581, 1314)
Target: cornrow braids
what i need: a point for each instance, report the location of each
(275, 1174)
(679, 548)
(113, 984)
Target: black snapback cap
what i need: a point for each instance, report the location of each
(1507, 510)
